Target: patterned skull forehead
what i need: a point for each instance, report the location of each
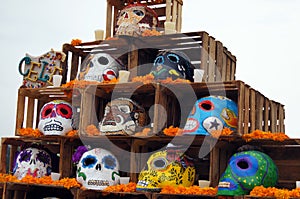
(125, 101)
(141, 6)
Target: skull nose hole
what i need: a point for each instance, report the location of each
(32, 162)
(243, 164)
(98, 167)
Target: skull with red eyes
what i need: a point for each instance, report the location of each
(134, 19)
(34, 162)
(56, 118)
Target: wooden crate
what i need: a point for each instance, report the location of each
(167, 10)
(138, 54)
(255, 111)
(62, 146)
(95, 99)
(30, 101)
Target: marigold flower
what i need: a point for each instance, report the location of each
(259, 134)
(30, 132)
(76, 42)
(173, 131)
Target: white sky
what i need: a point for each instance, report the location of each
(262, 34)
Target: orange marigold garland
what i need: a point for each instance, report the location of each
(130, 187)
(173, 131)
(76, 42)
(261, 191)
(258, 134)
(30, 132)
(144, 133)
(148, 33)
(65, 182)
(72, 133)
(147, 79)
(224, 132)
(92, 130)
(189, 190)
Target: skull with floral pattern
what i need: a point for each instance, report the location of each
(166, 168)
(211, 113)
(246, 170)
(134, 19)
(34, 162)
(97, 169)
(56, 118)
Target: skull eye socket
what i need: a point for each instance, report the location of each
(103, 60)
(64, 110)
(124, 108)
(138, 13)
(206, 105)
(243, 164)
(43, 157)
(173, 58)
(47, 110)
(109, 162)
(25, 156)
(159, 60)
(89, 161)
(159, 163)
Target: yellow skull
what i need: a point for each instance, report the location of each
(169, 167)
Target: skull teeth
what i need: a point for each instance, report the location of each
(142, 183)
(53, 127)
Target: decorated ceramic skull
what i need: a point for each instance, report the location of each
(122, 116)
(211, 113)
(166, 168)
(97, 169)
(174, 64)
(134, 19)
(34, 162)
(246, 170)
(99, 67)
(56, 118)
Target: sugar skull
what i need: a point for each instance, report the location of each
(134, 19)
(99, 67)
(97, 169)
(246, 170)
(211, 113)
(174, 64)
(34, 162)
(166, 168)
(56, 118)
(122, 116)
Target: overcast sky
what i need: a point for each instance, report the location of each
(262, 34)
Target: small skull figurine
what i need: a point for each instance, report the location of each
(99, 67)
(97, 169)
(134, 19)
(56, 118)
(166, 168)
(211, 113)
(174, 64)
(122, 116)
(34, 162)
(246, 170)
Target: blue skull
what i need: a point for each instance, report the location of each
(211, 113)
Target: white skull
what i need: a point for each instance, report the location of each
(56, 118)
(134, 19)
(99, 67)
(34, 162)
(122, 116)
(97, 169)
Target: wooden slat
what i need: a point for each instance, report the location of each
(108, 20)
(228, 69)
(273, 116)
(211, 59)
(266, 115)
(253, 109)
(241, 105)
(179, 18)
(74, 66)
(219, 60)
(259, 110)
(246, 110)
(20, 112)
(30, 113)
(204, 55)
(168, 10)
(174, 12)
(281, 114)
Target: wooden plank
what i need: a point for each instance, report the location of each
(266, 115)
(246, 110)
(233, 70)
(211, 59)
(253, 110)
(74, 66)
(204, 55)
(273, 116)
(3, 156)
(168, 10)
(259, 111)
(108, 20)
(281, 114)
(228, 69)
(174, 12)
(65, 63)
(241, 105)
(219, 61)
(20, 112)
(179, 18)
(30, 113)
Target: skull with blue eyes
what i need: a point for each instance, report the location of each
(34, 162)
(122, 116)
(134, 19)
(97, 169)
(172, 64)
(211, 113)
(246, 170)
